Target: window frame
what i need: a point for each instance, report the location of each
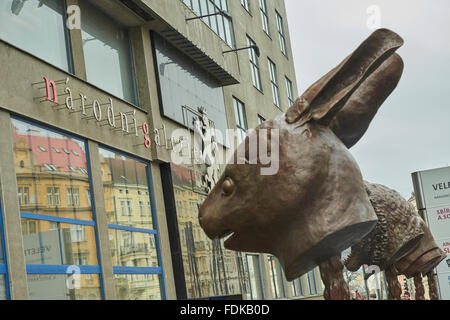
(274, 83)
(290, 90)
(61, 269)
(281, 34)
(240, 114)
(128, 270)
(246, 5)
(254, 65)
(264, 16)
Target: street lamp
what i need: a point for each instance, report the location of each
(219, 12)
(254, 47)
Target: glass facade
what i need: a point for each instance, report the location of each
(58, 229)
(209, 269)
(107, 53)
(221, 25)
(132, 228)
(37, 27)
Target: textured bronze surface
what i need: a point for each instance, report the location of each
(316, 205)
(432, 286)
(331, 272)
(418, 285)
(397, 232)
(394, 286)
(423, 259)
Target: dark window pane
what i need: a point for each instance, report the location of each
(107, 53)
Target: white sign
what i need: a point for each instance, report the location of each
(432, 188)
(435, 187)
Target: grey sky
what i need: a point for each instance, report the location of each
(411, 132)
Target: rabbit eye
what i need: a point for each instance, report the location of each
(228, 187)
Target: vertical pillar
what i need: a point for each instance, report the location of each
(76, 45)
(166, 257)
(11, 214)
(101, 222)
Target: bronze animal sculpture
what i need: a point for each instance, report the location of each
(401, 243)
(316, 205)
(398, 231)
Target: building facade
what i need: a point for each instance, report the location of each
(93, 204)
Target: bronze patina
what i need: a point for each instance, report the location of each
(317, 204)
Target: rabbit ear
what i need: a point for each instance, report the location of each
(323, 100)
(352, 121)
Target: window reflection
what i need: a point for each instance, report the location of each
(55, 287)
(137, 286)
(106, 48)
(209, 269)
(54, 243)
(133, 242)
(194, 88)
(36, 26)
(56, 214)
(127, 196)
(133, 249)
(46, 183)
(276, 277)
(254, 274)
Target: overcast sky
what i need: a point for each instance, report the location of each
(411, 131)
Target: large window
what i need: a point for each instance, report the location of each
(107, 53)
(194, 88)
(37, 27)
(274, 83)
(221, 25)
(254, 65)
(132, 227)
(59, 237)
(241, 119)
(281, 34)
(264, 16)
